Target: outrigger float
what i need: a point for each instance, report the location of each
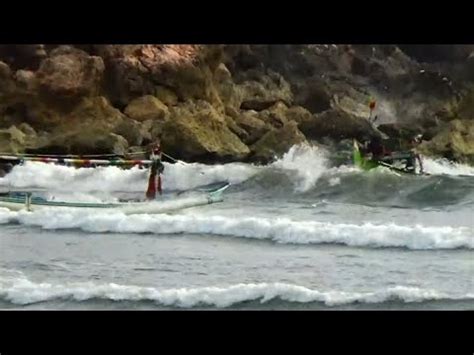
(25, 199)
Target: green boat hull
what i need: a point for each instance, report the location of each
(368, 164)
(360, 161)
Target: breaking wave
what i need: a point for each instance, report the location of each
(280, 230)
(21, 291)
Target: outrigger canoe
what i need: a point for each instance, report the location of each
(399, 161)
(24, 200)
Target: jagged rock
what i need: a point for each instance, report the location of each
(298, 114)
(136, 70)
(279, 114)
(276, 142)
(252, 124)
(454, 142)
(275, 116)
(131, 130)
(146, 130)
(238, 131)
(230, 94)
(256, 124)
(70, 73)
(147, 108)
(337, 125)
(26, 80)
(27, 130)
(262, 94)
(197, 131)
(12, 140)
(314, 96)
(166, 96)
(90, 141)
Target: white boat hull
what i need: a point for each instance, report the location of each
(148, 207)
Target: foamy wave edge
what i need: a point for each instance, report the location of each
(23, 292)
(280, 230)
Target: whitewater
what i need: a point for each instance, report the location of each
(303, 232)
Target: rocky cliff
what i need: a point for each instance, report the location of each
(232, 102)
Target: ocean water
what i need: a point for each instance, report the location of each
(299, 233)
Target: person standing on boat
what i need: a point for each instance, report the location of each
(415, 142)
(156, 169)
(156, 156)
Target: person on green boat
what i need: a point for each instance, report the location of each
(415, 156)
(374, 149)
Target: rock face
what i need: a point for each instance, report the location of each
(147, 108)
(196, 131)
(264, 93)
(232, 102)
(12, 140)
(90, 141)
(337, 125)
(70, 73)
(454, 142)
(276, 142)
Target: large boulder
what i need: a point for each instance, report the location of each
(27, 130)
(94, 140)
(26, 80)
(279, 114)
(230, 94)
(89, 128)
(336, 124)
(265, 91)
(454, 142)
(12, 140)
(196, 131)
(137, 70)
(145, 108)
(315, 95)
(247, 125)
(298, 114)
(132, 131)
(256, 124)
(166, 96)
(94, 110)
(70, 73)
(276, 142)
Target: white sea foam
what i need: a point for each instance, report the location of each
(280, 230)
(443, 166)
(21, 291)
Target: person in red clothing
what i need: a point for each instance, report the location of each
(156, 169)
